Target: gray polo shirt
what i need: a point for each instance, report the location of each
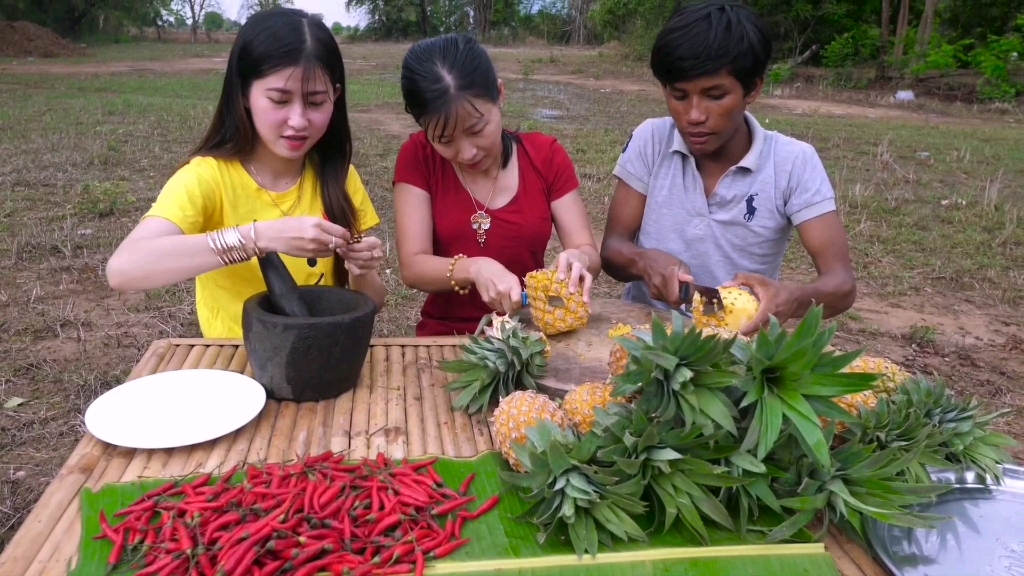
(745, 226)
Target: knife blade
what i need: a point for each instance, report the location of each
(712, 297)
(553, 301)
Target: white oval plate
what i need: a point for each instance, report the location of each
(175, 408)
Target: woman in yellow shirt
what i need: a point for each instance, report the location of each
(272, 174)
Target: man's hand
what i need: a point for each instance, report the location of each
(779, 299)
(663, 272)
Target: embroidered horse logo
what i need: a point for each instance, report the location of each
(751, 209)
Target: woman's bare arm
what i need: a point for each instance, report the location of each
(572, 224)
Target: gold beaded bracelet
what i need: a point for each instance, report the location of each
(451, 272)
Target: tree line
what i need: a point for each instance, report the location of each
(894, 37)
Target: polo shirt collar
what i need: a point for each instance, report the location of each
(753, 157)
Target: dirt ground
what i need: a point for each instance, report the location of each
(973, 342)
(27, 40)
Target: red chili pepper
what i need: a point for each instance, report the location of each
(385, 524)
(115, 555)
(143, 506)
(421, 563)
(483, 509)
(396, 569)
(449, 548)
(157, 566)
(434, 475)
(206, 564)
(273, 568)
(374, 497)
(465, 483)
(452, 506)
(105, 527)
(458, 527)
(330, 494)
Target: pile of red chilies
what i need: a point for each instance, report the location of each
(319, 515)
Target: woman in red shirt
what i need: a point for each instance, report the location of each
(474, 202)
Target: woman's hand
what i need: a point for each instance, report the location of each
(300, 236)
(498, 288)
(362, 257)
(573, 264)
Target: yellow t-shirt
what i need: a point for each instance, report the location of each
(210, 193)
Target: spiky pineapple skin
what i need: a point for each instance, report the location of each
(739, 307)
(552, 320)
(580, 403)
(515, 414)
(893, 375)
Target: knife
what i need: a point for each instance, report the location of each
(553, 301)
(712, 297)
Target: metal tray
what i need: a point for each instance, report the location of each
(984, 535)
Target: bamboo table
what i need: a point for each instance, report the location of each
(399, 407)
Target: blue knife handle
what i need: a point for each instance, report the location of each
(526, 299)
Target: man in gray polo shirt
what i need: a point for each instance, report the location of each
(706, 195)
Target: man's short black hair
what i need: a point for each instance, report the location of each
(704, 39)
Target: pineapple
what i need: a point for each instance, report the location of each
(569, 491)
(506, 358)
(515, 414)
(739, 306)
(669, 467)
(681, 373)
(789, 378)
(581, 402)
(893, 376)
(618, 358)
(541, 287)
(497, 321)
(852, 403)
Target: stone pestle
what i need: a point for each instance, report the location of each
(281, 286)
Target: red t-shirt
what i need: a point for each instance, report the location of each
(519, 232)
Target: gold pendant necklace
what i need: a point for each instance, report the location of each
(259, 181)
(480, 221)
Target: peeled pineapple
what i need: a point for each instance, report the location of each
(515, 414)
(618, 358)
(739, 307)
(541, 287)
(580, 402)
(893, 375)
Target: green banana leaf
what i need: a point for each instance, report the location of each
(502, 545)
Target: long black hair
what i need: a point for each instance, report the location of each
(440, 74)
(272, 40)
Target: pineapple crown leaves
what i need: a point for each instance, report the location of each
(790, 377)
(860, 480)
(895, 423)
(673, 467)
(958, 429)
(492, 367)
(566, 488)
(681, 373)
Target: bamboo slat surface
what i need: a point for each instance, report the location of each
(400, 407)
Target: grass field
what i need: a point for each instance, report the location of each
(932, 204)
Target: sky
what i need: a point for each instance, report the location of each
(333, 10)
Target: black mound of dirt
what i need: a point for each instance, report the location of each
(28, 40)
